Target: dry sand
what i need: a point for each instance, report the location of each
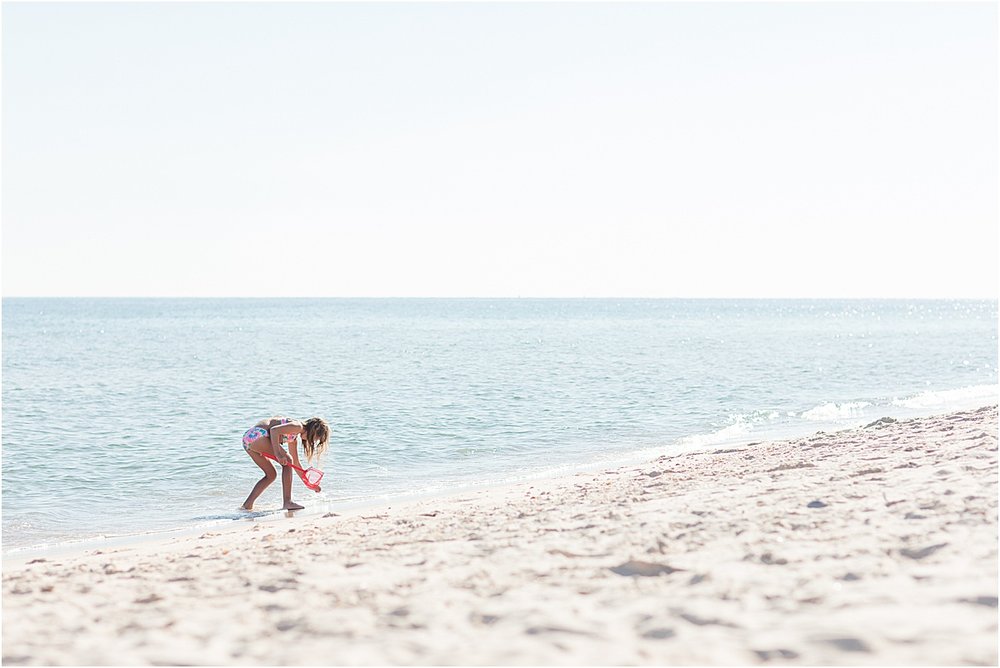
(870, 546)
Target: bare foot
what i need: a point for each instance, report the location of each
(247, 508)
(291, 505)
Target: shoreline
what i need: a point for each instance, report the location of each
(685, 445)
(863, 546)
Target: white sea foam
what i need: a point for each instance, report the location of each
(832, 411)
(742, 425)
(964, 397)
(731, 433)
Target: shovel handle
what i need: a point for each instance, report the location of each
(300, 470)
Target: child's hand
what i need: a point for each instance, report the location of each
(283, 457)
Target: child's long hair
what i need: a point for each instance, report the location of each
(315, 438)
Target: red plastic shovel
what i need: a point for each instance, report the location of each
(310, 477)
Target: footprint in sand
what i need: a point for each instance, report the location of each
(659, 634)
(541, 630)
(703, 621)
(270, 588)
(847, 644)
(988, 601)
(921, 553)
(485, 620)
(768, 654)
(643, 569)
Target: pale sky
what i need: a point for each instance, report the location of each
(500, 150)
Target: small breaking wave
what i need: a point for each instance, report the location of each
(741, 426)
(730, 433)
(831, 411)
(963, 397)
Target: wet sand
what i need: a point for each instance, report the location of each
(870, 546)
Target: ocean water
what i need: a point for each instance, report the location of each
(124, 416)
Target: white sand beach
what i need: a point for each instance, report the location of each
(870, 546)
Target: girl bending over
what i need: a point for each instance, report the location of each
(268, 436)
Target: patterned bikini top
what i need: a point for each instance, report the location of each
(284, 437)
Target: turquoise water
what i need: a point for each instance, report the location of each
(124, 416)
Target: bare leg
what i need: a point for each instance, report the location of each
(286, 489)
(263, 483)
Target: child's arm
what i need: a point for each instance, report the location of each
(292, 431)
(276, 434)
